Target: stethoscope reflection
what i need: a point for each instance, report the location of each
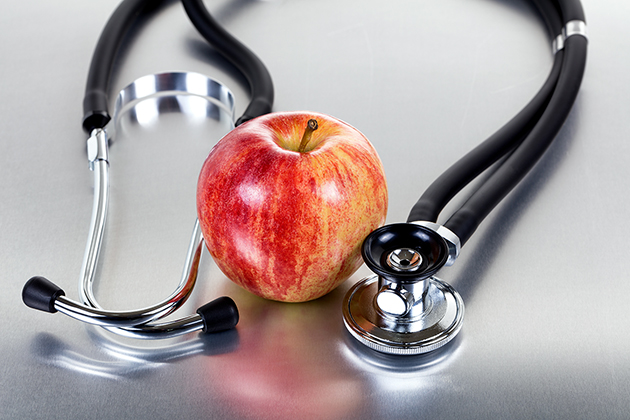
(299, 361)
(419, 380)
(415, 366)
(127, 361)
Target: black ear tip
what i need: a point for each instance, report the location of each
(219, 315)
(40, 293)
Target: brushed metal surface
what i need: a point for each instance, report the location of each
(544, 279)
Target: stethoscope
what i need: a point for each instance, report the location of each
(403, 308)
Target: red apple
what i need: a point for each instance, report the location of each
(285, 201)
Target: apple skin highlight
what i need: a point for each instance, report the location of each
(288, 225)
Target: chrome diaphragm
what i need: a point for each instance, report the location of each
(404, 309)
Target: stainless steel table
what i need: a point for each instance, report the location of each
(545, 278)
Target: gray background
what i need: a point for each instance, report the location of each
(545, 278)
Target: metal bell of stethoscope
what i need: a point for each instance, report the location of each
(404, 309)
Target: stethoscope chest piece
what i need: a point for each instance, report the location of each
(403, 309)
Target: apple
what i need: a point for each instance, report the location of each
(285, 200)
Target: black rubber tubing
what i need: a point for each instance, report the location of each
(551, 16)
(96, 99)
(254, 70)
(466, 169)
(465, 221)
(571, 10)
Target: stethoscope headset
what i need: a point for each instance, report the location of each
(403, 308)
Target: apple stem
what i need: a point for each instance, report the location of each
(308, 133)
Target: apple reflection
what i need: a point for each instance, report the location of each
(287, 364)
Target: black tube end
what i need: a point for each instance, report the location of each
(40, 293)
(257, 108)
(243, 119)
(95, 119)
(219, 315)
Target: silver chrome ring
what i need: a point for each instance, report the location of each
(452, 240)
(558, 44)
(174, 83)
(573, 27)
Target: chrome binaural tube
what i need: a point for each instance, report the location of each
(141, 323)
(128, 323)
